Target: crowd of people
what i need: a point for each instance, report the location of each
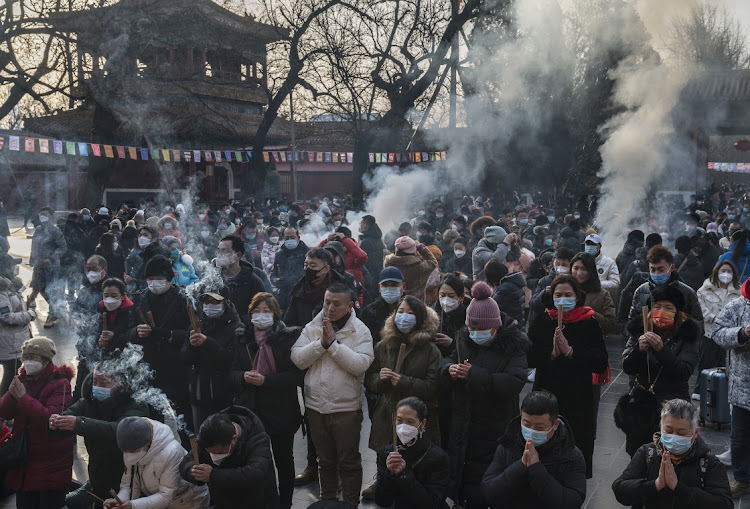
(197, 325)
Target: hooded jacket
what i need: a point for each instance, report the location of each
(743, 267)
(572, 240)
(14, 321)
(609, 275)
(50, 458)
(416, 269)
(154, 482)
(557, 481)
(419, 376)
(511, 298)
(713, 299)
(246, 478)
(333, 382)
(485, 251)
(729, 334)
(371, 242)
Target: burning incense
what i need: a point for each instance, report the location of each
(400, 359)
(194, 318)
(194, 447)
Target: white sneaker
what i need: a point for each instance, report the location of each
(695, 397)
(532, 375)
(725, 458)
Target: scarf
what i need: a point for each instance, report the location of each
(316, 293)
(577, 314)
(264, 362)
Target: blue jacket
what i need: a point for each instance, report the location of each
(742, 265)
(185, 274)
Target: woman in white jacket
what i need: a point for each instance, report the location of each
(14, 330)
(152, 478)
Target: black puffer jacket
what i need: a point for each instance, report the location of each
(570, 239)
(511, 298)
(246, 478)
(423, 484)
(243, 287)
(690, 269)
(275, 402)
(453, 323)
(371, 242)
(557, 481)
(628, 254)
(485, 403)
(701, 480)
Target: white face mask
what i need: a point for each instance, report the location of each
(561, 269)
(337, 223)
(407, 434)
(168, 226)
(225, 260)
(262, 321)
(201, 216)
(218, 458)
(273, 240)
(43, 218)
(459, 254)
(132, 458)
(144, 241)
(213, 310)
(158, 287)
(725, 277)
(112, 303)
(115, 246)
(448, 304)
(32, 367)
(205, 234)
(94, 277)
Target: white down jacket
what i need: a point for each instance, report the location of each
(155, 483)
(333, 382)
(712, 300)
(14, 321)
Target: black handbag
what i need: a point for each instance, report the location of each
(638, 409)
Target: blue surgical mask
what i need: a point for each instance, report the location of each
(87, 217)
(101, 393)
(676, 444)
(592, 250)
(405, 322)
(568, 303)
(480, 337)
(291, 244)
(523, 222)
(731, 216)
(548, 242)
(537, 437)
(551, 219)
(390, 294)
(660, 279)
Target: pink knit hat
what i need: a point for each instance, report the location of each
(483, 312)
(406, 245)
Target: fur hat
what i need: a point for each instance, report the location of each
(159, 266)
(670, 294)
(406, 245)
(41, 346)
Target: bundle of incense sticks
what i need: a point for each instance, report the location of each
(194, 447)
(105, 319)
(400, 359)
(194, 318)
(559, 317)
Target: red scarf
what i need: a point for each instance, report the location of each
(575, 315)
(126, 303)
(745, 290)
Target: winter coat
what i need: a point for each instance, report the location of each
(243, 287)
(275, 402)
(423, 484)
(50, 458)
(511, 298)
(210, 385)
(485, 402)
(627, 255)
(419, 376)
(115, 261)
(75, 239)
(453, 324)
(485, 251)
(288, 269)
(14, 321)
(184, 271)
(639, 264)
(333, 382)
(713, 299)
(300, 310)
(48, 243)
(354, 257)
(643, 294)
(709, 257)
(463, 265)
(557, 481)
(701, 481)
(692, 270)
(268, 256)
(743, 267)
(416, 269)
(371, 242)
(137, 262)
(729, 334)
(676, 360)
(572, 240)
(374, 316)
(601, 302)
(569, 378)
(154, 482)
(246, 478)
(609, 275)
(96, 422)
(118, 321)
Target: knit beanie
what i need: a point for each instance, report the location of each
(483, 312)
(41, 346)
(495, 234)
(133, 433)
(159, 266)
(436, 252)
(406, 245)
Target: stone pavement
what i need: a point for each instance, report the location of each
(610, 458)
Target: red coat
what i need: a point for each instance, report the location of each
(50, 463)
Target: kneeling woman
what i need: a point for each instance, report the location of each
(677, 469)
(417, 474)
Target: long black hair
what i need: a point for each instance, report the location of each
(594, 284)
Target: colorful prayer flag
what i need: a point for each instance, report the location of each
(57, 146)
(155, 154)
(29, 144)
(266, 157)
(350, 157)
(187, 155)
(282, 156)
(372, 157)
(14, 143)
(83, 149)
(217, 156)
(44, 146)
(197, 155)
(70, 148)
(443, 155)
(228, 155)
(165, 154)
(335, 157)
(319, 157)
(327, 157)
(209, 157)
(121, 152)
(238, 156)
(391, 157)
(108, 151)
(2, 142)
(176, 156)
(275, 156)
(133, 152)
(144, 154)
(96, 149)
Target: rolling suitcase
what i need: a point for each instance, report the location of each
(714, 407)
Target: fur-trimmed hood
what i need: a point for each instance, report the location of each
(479, 224)
(62, 371)
(418, 337)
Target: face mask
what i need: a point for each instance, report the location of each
(390, 294)
(459, 254)
(480, 337)
(291, 244)
(101, 393)
(112, 303)
(201, 216)
(237, 221)
(576, 216)
(660, 279)
(548, 242)
(86, 218)
(725, 277)
(448, 304)
(158, 287)
(311, 275)
(213, 310)
(174, 254)
(561, 269)
(420, 213)
(551, 219)
(223, 227)
(205, 234)
(407, 434)
(676, 444)
(592, 250)
(538, 438)
(273, 240)
(439, 215)
(132, 458)
(94, 277)
(225, 260)
(262, 321)
(218, 458)
(454, 227)
(690, 227)
(115, 246)
(336, 224)
(523, 222)
(731, 216)
(568, 303)
(168, 226)
(32, 367)
(259, 222)
(405, 322)
(43, 219)
(144, 241)
(663, 318)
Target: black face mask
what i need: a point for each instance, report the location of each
(311, 275)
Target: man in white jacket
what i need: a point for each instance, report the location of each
(336, 350)
(609, 274)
